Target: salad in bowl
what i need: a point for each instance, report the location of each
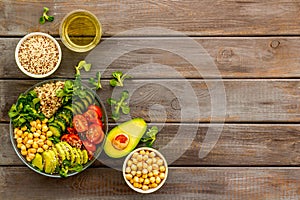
(58, 127)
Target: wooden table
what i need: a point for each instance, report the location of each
(255, 48)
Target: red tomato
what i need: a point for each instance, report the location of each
(99, 123)
(91, 116)
(95, 134)
(97, 109)
(90, 147)
(71, 130)
(80, 123)
(72, 139)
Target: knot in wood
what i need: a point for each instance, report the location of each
(274, 44)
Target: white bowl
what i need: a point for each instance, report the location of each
(38, 75)
(151, 189)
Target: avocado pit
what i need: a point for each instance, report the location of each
(121, 141)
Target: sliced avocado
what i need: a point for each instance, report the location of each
(49, 161)
(60, 151)
(73, 156)
(55, 129)
(85, 103)
(85, 156)
(69, 149)
(61, 122)
(38, 161)
(81, 155)
(134, 129)
(77, 156)
(66, 150)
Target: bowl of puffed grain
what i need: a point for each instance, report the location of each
(38, 55)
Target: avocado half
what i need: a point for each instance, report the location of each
(134, 129)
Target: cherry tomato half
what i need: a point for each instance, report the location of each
(80, 123)
(72, 139)
(91, 116)
(90, 147)
(71, 130)
(97, 109)
(99, 123)
(95, 134)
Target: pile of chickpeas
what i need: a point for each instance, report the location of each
(33, 140)
(145, 170)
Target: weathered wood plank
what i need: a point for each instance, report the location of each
(238, 145)
(217, 57)
(190, 17)
(182, 183)
(173, 100)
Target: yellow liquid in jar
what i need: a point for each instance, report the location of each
(80, 31)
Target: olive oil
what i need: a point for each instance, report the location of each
(80, 31)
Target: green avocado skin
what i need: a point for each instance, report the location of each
(134, 129)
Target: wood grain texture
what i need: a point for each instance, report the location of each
(266, 57)
(182, 183)
(191, 17)
(172, 100)
(238, 145)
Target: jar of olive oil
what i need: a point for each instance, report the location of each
(80, 31)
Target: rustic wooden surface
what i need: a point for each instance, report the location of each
(255, 47)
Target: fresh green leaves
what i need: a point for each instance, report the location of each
(26, 109)
(119, 78)
(45, 17)
(66, 167)
(96, 83)
(75, 88)
(150, 136)
(82, 64)
(119, 105)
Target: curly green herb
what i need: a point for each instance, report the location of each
(119, 78)
(119, 104)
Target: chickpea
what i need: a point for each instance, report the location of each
(157, 180)
(31, 156)
(38, 121)
(144, 176)
(45, 128)
(19, 132)
(136, 179)
(134, 161)
(128, 177)
(25, 134)
(134, 155)
(129, 163)
(128, 170)
(154, 160)
(155, 166)
(24, 152)
(23, 147)
(35, 145)
(40, 150)
(42, 137)
(36, 135)
(152, 154)
(25, 140)
(30, 142)
(153, 185)
(133, 167)
(139, 158)
(155, 172)
(33, 123)
(49, 143)
(145, 171)
(39, 126)
(162, 175)
(24, 128)
(131, 181)
(32, 129)
(146, 181)
(138, 173)
(135, 184)
(39, 132)
(145, 157)
(160, 162)
(142, 152)
(150, 174)
(19, 145)
(30, 136)
(140, 166)
(149, 168)
(28, 145)
(162, 168)
(45, 121)
(133, 173)
(149, 161)
(152, 179)
(32, 150)
(16, 130)
(45, 147)
(145, 187)
(49, 134)
(19, 140)
(141, 180)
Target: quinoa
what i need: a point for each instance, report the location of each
(38, 54)
(50, 103)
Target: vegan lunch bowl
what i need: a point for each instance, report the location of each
(38, 55)
(58, 128)
(145, 170)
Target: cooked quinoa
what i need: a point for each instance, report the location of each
(50, 103)
(38, 54)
